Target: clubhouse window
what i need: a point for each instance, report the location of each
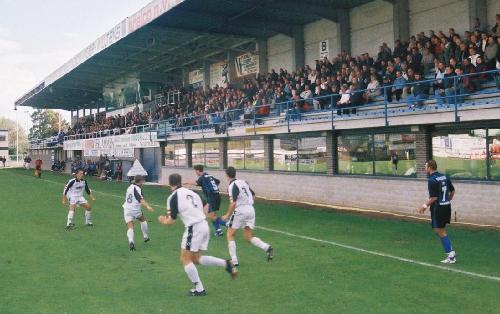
(300, 153)
(461, 154)
(175, 155)
(246, 153)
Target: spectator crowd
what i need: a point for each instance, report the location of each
(399, 73)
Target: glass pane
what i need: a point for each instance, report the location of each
(175, 155)
(461, 155)
(254, 154)
(312, 154)
(285, 154)
(236, 154)
(198, 153)
(494, 154)
(395, 154)
(212, 154)
(355, 154)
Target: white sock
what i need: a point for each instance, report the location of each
(232, 251)
(212, 261)
(192, 274)
(88, 217)
(130, 235)
(144, 228)
(259, 243)
(71, 213)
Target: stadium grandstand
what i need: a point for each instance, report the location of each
(344, 95)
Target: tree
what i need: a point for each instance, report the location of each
(10, 125)
(45, 124)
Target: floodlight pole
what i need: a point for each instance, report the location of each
(17, 137)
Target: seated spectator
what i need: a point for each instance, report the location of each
(373, 88)
(448, 82)
(344, 101)
(398, 87)
(419, 92)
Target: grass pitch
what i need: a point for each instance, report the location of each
(45, 269)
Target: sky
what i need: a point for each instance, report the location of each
(36, 37)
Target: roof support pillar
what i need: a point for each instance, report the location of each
(343, 30)
(298, 53)
(477, 9)
(231, 57)
(262, 51)
(206, 75)
(401, 20)
(185, 74)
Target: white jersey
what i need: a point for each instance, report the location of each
(240, 193)
(133, 198)
(187, 205)
(74, 188)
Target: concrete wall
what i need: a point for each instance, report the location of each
(493, 8)
(279, 53)
(316, 32)
(438, 15)
(477, 203)
(371, 25)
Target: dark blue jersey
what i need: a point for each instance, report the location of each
(208, 184)
(440, 187)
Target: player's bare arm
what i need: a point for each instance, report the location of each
(427, 203)
(230, 211)
(146, 204)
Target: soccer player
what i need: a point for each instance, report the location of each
(441, 192)
(134, 198)
(241, 215)
(210, 187)
(73, 192)
(188, 205)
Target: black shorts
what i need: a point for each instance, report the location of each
(213, 202)
(440, 215)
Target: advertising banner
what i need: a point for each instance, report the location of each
(195, 76)
(119, 146)
(247, 64)
(219, 73)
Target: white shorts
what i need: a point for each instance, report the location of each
(130, 215)
(243, 217)
(196, 237)
(77, 200)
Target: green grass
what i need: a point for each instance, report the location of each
(45, 269)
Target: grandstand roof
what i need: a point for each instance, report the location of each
(171, 34)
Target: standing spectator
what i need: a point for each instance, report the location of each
(394, 162)
(427, 61)
(27, 162)
(496, 29)
(490, 53)
(419, 92)
(3, 160)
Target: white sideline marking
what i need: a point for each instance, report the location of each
(349, 247)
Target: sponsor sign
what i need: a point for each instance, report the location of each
(195, 76)
(247, 64)
(219, 73)
(120, 145)
(324, 49)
